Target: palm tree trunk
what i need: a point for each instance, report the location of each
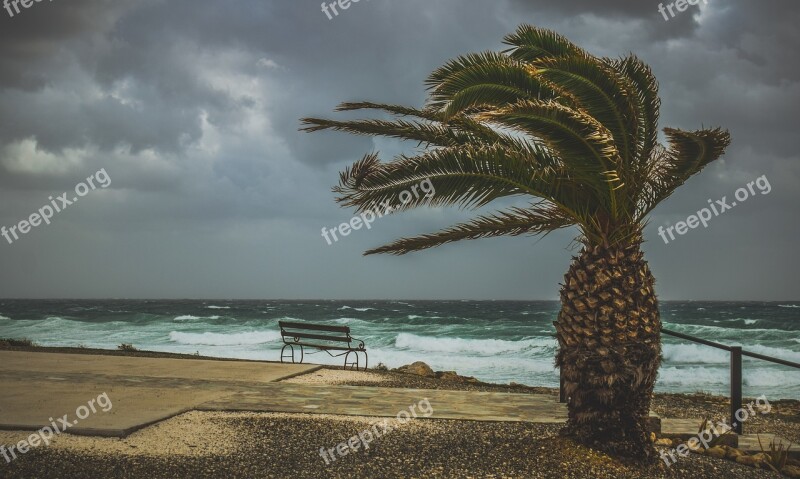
(609, 348)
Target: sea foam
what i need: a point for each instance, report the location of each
(222, 339)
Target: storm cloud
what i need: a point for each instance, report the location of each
(193, 107)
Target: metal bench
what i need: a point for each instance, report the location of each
(322, 337)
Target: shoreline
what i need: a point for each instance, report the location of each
(511, 387)
(259, 443)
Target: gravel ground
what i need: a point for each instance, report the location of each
(783, 419)
(262, 445)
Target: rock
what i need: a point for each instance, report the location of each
(733, 453)
(754, 461)
(448, 376)
(717, 452)
(791, 471)
(665, 441)
(746, 460)
(418, 368)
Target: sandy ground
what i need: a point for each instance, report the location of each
(258, 445)
(339, 376)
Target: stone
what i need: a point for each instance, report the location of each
(733, 453)
(448, 376)
(754, 461)
(791, 471)
(664, 442)
(717, 452)
(418, 368)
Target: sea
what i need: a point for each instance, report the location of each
(494, 341)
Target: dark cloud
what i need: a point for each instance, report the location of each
(193, 107)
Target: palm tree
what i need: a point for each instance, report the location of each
(578, 134)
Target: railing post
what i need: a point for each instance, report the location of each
(736, 387)
(562, 395)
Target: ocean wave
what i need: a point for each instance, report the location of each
(349, 321)
(698, 353)
(718, 331)
(357, 309)
(3, 317)
(222, 339)
(471, 346)
(779, 353)
(788, 306)
(717, 378)
(693, 377)
(189, 317)
(492, 368)
(693, 354)
(218, 307)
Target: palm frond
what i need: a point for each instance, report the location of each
(466, 176)
(517, 221)
(532, 43)
(688, 154)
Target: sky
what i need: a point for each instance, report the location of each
(190, 109)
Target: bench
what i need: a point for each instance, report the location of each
(322, 337)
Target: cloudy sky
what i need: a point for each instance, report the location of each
(192, 108)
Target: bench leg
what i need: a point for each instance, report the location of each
(366, 360)
(356, 365)
(291, 348)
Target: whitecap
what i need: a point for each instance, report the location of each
(221, 339)
(356, 309)
(189, 317)
(469, 346)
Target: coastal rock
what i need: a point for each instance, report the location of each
(791, 471)
(418, 368)
(448, 376)
(717, 452)
(664, 441)
(733, 453)
(755, 460)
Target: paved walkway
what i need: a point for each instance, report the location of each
(35, 387)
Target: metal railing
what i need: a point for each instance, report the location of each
(736, 372)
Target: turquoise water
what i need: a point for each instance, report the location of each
(495, 341)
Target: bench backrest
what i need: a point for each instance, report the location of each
(298, 331)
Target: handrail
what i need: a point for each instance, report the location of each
(736, 372)
(729, 348)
